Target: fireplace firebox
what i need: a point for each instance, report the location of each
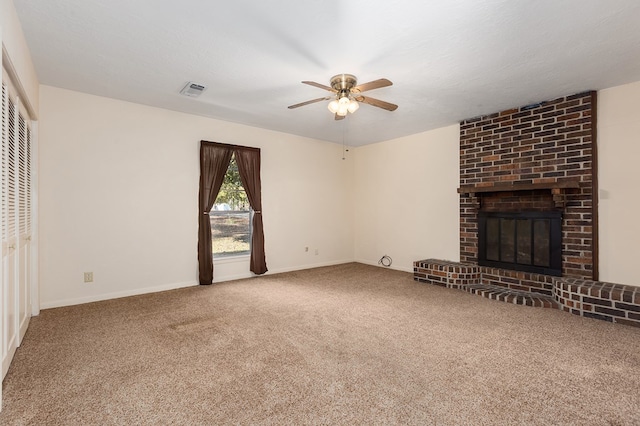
(522, 241)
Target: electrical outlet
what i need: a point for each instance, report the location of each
(317, 251)
(88, 277)
(306, 249)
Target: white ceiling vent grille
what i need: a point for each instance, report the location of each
(193, 90)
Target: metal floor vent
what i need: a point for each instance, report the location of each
(193, 90)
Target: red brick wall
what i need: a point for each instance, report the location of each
(549, 142)
(514, 201)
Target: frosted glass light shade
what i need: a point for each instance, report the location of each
(343, 106)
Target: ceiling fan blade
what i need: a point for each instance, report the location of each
(377, 103)
(321, 86)
(313, 101)
(375, 84)
(339, 117)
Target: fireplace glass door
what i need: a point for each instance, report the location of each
(523, 241)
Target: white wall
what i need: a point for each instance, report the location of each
(118, 197)
(406, 204)
(619, 180)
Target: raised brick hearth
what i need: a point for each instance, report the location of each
(595, 299)
(482, 280)
(605, 301)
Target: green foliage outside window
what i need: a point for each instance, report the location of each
(231, 216)
(232, 192)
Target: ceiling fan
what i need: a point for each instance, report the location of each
(347, 95)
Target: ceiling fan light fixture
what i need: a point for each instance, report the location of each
(348, 95)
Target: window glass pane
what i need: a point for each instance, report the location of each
(524, 241)
(541, 235)
(231, 217)
(493, 239)
(507, 240)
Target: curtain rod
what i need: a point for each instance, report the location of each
(228, 145)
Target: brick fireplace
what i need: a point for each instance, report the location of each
(535, 160)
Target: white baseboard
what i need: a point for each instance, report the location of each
(280, 270)
(395, 268)
(116, 295)
(173, 286)
(233, 277)
(314, 265)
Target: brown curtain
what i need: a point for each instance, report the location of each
(248, 160)
(214, 162)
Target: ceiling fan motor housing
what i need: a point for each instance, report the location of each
(343, 83)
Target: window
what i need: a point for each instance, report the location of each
(231, 217)
(215, 159)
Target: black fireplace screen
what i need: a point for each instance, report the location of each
(524, 241)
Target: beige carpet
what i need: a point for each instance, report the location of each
(349, 344)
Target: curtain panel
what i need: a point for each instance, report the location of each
(248, 161)
(214, 162)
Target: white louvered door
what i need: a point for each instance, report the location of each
(16, 227)
(10, 341)
(23, 308)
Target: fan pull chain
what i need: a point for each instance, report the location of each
(344, 131)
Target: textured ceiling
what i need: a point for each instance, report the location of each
(449, 60)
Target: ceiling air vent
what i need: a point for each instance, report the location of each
(193, 90)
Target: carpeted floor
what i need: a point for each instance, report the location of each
(347, 344)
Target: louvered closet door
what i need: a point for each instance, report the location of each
(9, 256)
(3, 207)
(3, 225)
(23, 308)
(16, 227)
